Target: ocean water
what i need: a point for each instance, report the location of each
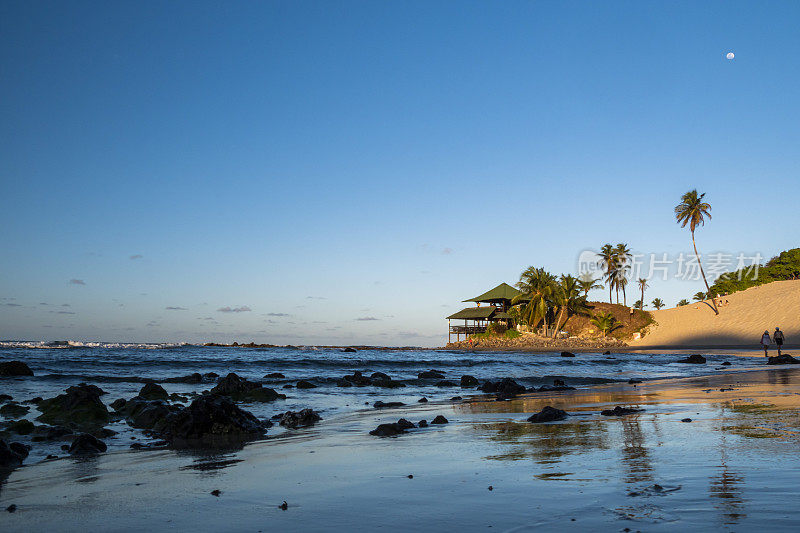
(121, 369)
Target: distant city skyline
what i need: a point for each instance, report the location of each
(348, 173)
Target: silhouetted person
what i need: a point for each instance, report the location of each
(778, 338)
(765, 342)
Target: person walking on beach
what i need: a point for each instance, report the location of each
(765, 342)
(778, 338)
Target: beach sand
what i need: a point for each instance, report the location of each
(733, 467)
(740, 323)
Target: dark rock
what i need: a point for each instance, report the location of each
(303, 384)
(303, 418)
(405, 424)
(387, 430)
(21, 427)
(456, 399)
(695, 359)
(567, 354)
(634, 381)
(783, 359)
(51, 456)
(431, 374)
(240, 389)
(216, 492)
(387, 383)
(359, 380)
(211, 421)
(14, 410)
(559, 383)
(410, 476)
(505, 389)
(14, 368)
(491, 487)
(85, 444)
(422, 400)
(380, 375)
(343, 382)
(620, 411)
(686, 419)
(175, 397)
(193, 378)
(469, 381)
(11, 508)
(726, 363)
(42, 433)
(118, 404)
(5, 397)
(283, 506)
(288, 386)
(445, 383)
(439, 420)
(274, 375)
(79, 407)
(553, 388)
(153, 391)
(33, 401)
(383, 405)
(349, 350)
(606, 353)
(12, 455)
(145, 414)
(548, 414)
(210, 375)
(423, 423)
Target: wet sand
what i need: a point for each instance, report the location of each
(734, 467)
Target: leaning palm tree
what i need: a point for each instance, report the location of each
(693, 211)
(607, 261)
(658, 303)
(569, 300)
(642, 285)
(536, 286)
(587, 282)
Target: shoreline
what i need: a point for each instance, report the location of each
(600, 471)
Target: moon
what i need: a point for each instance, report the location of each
(730, 55)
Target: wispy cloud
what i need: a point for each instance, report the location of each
(77, 282)
(43, 303)
(367, 319)
(175, 308)
(278, 314)
(65, 305)
(135, 257)
(228, 309)
(315, 298)
(447, 251)
(63, 312)
(13, 305)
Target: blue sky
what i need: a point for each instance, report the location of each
(325, 163)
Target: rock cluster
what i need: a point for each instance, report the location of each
(78, 407)
(242, 390)
(302, 418)
(548, 414)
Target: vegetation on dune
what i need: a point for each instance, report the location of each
(683, 302)
(693, 211)
(784, 266)
(606, 323)
(658, 303)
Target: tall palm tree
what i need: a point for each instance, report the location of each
(624, 257)
(537, 287)
(607, 261)
(658, 303)
(620, 275)
(587, 282)
(569, 300)
(693, 211)
(642, 285)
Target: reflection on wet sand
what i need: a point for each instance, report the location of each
(635, 459)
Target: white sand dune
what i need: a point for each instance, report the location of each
(740, 323)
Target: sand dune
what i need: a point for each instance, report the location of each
(740, 323)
